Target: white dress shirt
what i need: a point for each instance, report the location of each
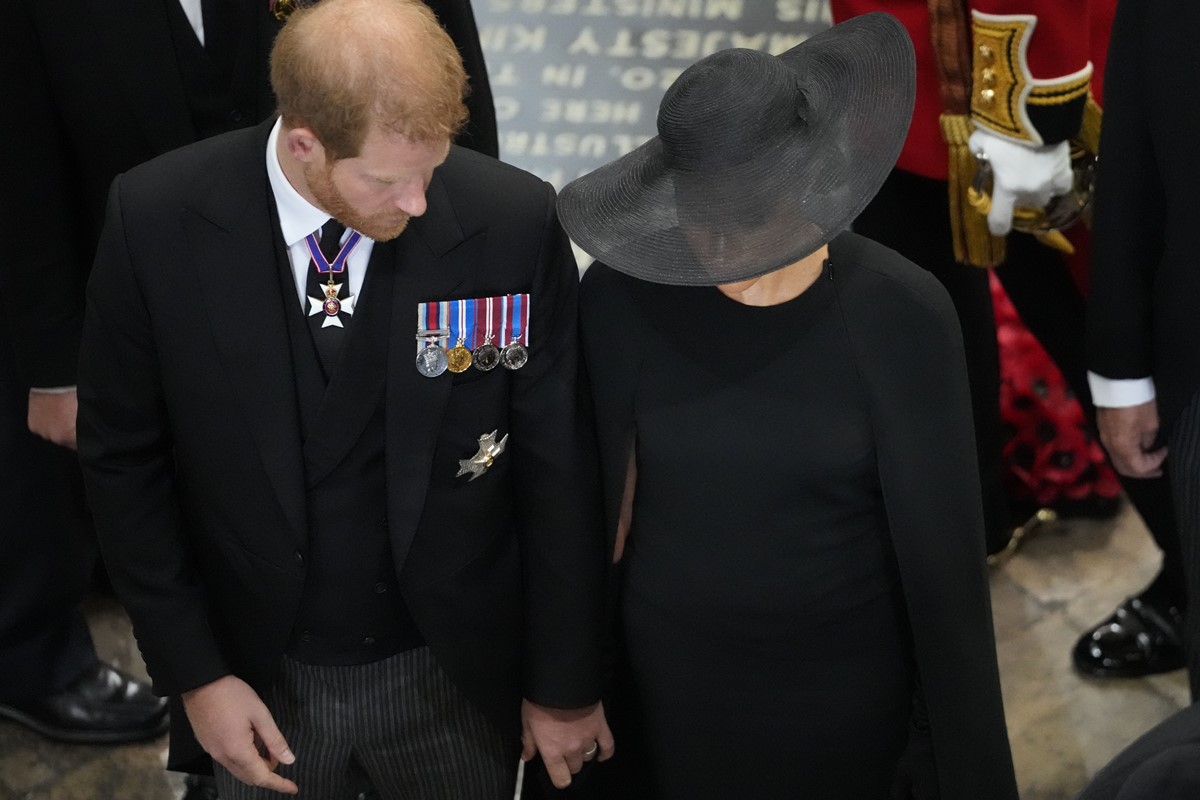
(195, 15)
(298, 218)
(1120, 392)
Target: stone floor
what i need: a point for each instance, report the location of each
(1065, 577)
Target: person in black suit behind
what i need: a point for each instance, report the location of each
(100, 90)
(364, 561)
(1143, 336)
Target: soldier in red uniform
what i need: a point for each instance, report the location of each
(1017, 74)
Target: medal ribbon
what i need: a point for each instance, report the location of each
(474, 321)
(460, 328)
(488, 334)
(526, 307)
(339, 261)
(455, 318)
(519, 322)
(431, 323)
(504, 320)
(431, 317)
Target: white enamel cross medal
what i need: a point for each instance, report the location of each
(479, 463)
(331, 305)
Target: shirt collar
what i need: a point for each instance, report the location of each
(297, 217)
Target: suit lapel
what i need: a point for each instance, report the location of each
(435, 261)
(232, 228)
(149, 73)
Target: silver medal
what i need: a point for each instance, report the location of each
(486, 357)
(432, 361)
(514, 355)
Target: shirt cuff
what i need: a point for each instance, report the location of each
(51, 389)
(1120, 392)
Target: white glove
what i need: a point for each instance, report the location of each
(1021, 174)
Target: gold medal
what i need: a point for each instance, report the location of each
(459, 358)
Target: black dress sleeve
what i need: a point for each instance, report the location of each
(909, 352)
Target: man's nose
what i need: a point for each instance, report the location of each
(411, 200)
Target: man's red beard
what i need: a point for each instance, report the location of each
(381, 227)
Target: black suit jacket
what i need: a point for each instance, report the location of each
(190, 436)
(91, 91)
(458, 19)
(1142, 317)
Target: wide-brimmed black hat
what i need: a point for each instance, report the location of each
(759, 159)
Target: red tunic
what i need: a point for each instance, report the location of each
(1069, 33)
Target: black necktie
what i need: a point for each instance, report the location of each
(326, 335)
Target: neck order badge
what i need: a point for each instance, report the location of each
(331, 304)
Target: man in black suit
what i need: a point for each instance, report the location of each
(100, 90)
(357, 562)
(93, 92)
(1143, 331)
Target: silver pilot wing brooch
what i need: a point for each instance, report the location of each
(479, 463)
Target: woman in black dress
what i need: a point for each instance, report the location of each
(788, 454)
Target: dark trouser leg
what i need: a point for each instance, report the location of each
(425, 740)
(1050, 305)
(910, 215)
(1184, 473)
(47, 554)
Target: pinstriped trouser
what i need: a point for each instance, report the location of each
(396, 729)
(1183, 470)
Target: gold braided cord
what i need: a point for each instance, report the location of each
(1089, 130)
(973, 242)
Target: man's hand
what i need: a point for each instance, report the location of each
(1029, 176)
(52, 416)
(1128, 434)
(236, 729)
(565, 738)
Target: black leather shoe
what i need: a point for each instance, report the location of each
(1140, 638)
(103, 707)
(200, 787)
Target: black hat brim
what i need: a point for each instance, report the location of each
(782, 202)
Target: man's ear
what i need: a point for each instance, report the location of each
(303, 145)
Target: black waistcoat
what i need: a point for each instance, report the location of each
(351, 611)
(220, 81)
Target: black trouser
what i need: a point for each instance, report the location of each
(1183, 447)
(47, 553)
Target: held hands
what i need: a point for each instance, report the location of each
(565, 737)
(236, 729)
(52, 416)
(1022, 175)
(1128, 434)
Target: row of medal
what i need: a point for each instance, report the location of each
(486, 332)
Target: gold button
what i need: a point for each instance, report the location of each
(988, 76)
(987, 97)
(986, 53)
